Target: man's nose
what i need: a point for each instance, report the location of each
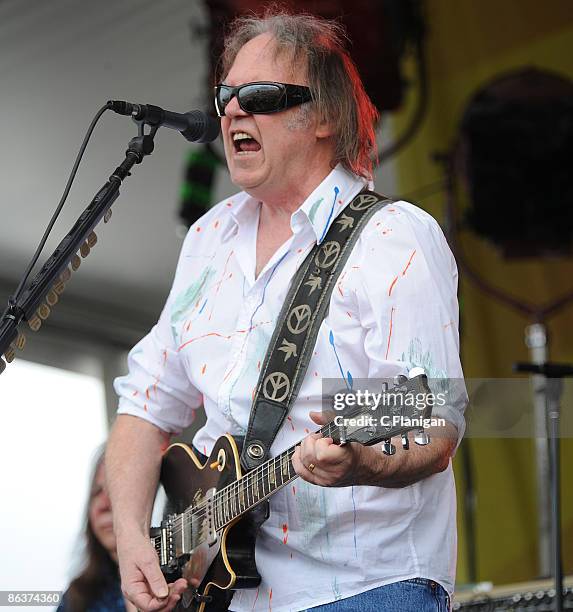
(233, 109)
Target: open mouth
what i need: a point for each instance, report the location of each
(244, 143)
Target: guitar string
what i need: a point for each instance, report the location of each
(256, 477)
(221, 510)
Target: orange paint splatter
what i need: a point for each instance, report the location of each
(285, 533)
(253, 393)
(229, 204)
(259, 365)
(203, 368)
(299, 251)
(164, 356)
(392, 286)
(198, 229)
(270, 599)
(294, 490)
(204, 449)
(145, 407)
(135, 393)
(340, 290)
(188, 327)
(391, 210)
(390, 332)
(349, 314)
(316, 373)
(448, 324)
(290, 421)
(216, 224)
(256, 597)
(306, 430)
(409, 262)
(147, 393)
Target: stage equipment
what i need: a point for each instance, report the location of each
(513, 154)
(536, 596)
(35, 302)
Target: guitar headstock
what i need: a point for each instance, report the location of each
(370, 417)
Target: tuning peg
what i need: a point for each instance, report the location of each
(59, 287)
(66, 275)
(52, 297)
(35, 323)
(92, 240)
(421, 438)
(10, 354)
(107, 216)
(20, 341)
(44, 311)
(85, 250)
(388, 448)
(76, 262)
(405, 441)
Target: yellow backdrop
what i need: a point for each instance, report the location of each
(470, 42)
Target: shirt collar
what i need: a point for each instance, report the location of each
(324, 204)
(318, 211)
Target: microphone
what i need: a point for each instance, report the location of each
(195, 126)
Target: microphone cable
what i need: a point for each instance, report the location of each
(13, 299)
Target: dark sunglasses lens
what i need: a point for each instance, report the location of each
(224, 96)
(261, 98)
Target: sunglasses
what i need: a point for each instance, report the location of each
(261, 97)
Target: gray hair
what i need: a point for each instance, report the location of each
(337, 90)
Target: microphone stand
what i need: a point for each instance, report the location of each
(554, 374)
(25, 306)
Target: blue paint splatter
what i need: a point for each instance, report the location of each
(348, 378)
(202, 307)
(336, 192)
(354, 511)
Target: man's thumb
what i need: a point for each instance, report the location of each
(157, 582)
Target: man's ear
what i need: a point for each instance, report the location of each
(324, 128)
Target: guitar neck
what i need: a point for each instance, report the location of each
(258, 485)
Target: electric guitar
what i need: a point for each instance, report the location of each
(214, 511)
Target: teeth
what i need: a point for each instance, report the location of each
(241, 136)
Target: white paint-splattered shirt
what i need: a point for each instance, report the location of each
(394, 306)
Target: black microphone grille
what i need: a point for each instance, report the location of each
(202, 127)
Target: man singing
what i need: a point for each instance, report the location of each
(359, 530)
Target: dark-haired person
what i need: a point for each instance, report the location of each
(359, 530)
(97, 588)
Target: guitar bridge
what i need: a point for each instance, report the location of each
(193, 595)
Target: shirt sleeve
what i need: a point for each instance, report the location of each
(157, 387)
(408, 304)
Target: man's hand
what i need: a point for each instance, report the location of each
(320, 461)
(141, 579)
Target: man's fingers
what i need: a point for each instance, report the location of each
(155, 579)
(321, 418)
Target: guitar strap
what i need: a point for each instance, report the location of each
(294, 336)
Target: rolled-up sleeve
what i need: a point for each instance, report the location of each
(408, 304)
